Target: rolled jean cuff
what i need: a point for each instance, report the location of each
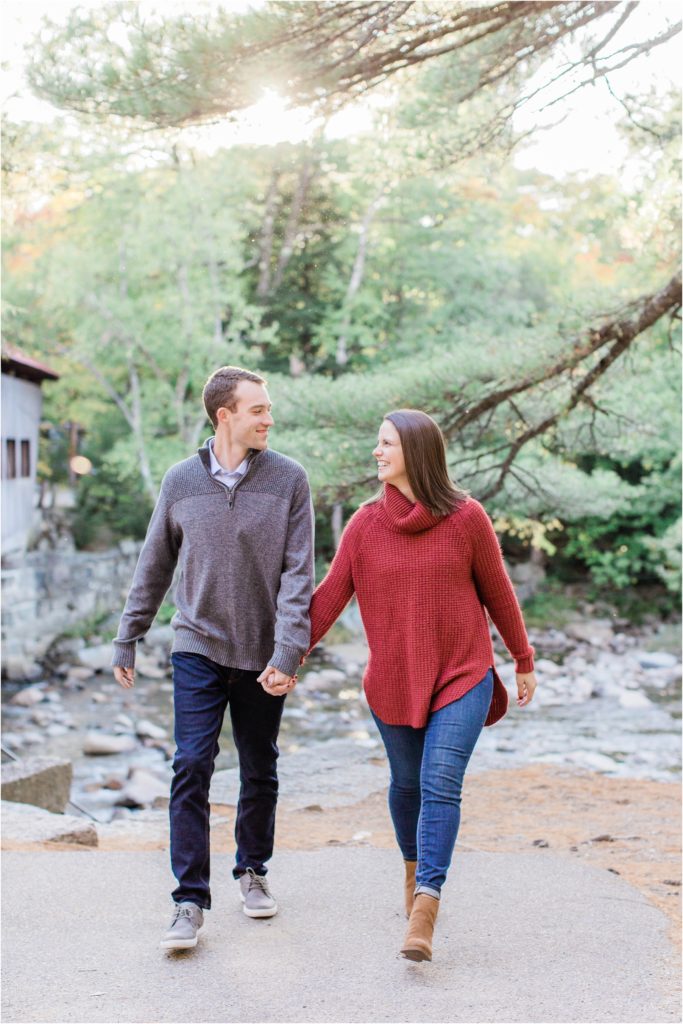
(428, 891)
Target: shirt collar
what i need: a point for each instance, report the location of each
(217, 469)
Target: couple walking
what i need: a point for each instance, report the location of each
(425, 565)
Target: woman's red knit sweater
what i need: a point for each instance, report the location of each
(423, 583)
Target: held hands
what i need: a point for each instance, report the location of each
(276, 683)
(125, 677)
(526, 684)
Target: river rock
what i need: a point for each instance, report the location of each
(56, 729)
(597, 632)
(142, 789)
(555, 641)
(125, 722)
(97, 658)
(97, 743)
(333, 676)
(12, 740)
(634, 699)
(21, 668)
(23, 823)
(42, 781)
(79, 673)
(41, 717)
(660, 678)
(160, 636)
(29, 696)
(113, 782)
(545, 667)
(148, 730)
(31, 737)
(147, 666)
(656, 659)
(592, 759)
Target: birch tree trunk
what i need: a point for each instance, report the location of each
(342, 355)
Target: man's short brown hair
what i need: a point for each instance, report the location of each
(219, 390)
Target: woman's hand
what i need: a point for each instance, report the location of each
(526, 685)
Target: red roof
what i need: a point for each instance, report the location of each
(17, 364)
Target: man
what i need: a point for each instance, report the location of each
(238, 518)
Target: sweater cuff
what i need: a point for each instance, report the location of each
(124, 654)
(525, 664)
(286, 659)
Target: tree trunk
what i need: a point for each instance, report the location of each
(342, 355)
(303, 185)
(337, 523)
(266, 239)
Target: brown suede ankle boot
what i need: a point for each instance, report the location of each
(411, 865)
(417, 944)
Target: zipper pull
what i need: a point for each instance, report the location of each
(231, 498)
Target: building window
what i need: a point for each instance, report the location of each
(25, 458)
(11, 459)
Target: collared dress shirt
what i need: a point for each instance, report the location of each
(229, 477)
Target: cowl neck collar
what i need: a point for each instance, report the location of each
(402, 516)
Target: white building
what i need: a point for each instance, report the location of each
(22, 402)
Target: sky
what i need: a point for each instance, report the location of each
(584, 138)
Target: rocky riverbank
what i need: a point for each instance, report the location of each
(608, 700)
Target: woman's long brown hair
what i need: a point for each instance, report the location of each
(424, 451)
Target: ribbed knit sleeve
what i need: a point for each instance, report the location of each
(495, 589)
(296, 584)
(333, 594)
(151, 580)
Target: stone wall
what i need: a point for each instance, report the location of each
(45, 593)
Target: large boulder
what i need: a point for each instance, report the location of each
(25, 824)
(41, 781)
(20, 667)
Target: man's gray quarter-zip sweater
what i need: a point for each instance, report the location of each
(246, 565)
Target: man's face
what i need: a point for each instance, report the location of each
(250, 422)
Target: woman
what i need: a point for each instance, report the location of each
(425, 563)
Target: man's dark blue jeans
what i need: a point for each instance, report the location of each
(202, 690)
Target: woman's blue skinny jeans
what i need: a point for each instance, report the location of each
(427, 768)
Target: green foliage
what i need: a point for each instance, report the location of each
(165, 614)
(86, 627)
(412, 266)
(110, 504)
(551, 605)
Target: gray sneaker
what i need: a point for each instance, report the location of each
(186, 925)
(256, 897)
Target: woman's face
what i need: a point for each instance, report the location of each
(391, 466)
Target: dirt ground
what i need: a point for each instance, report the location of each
(631, 827)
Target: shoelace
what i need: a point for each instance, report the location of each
(257, 882)
(182, 912)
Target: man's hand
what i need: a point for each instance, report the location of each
(276, 683)
(526, 684)
(125, 677)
